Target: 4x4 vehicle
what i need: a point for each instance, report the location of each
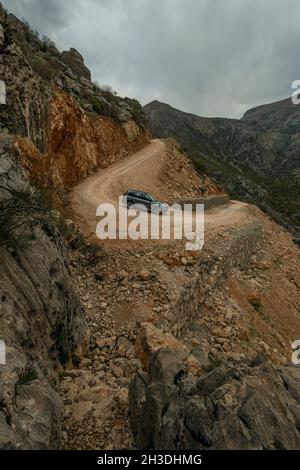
(134, 197)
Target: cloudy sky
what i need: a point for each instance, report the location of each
(209, 57)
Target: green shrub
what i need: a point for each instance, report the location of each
(97, 108)
(109, 94)
(256, 303)
(43, 67)
(28, 376)
(20, 211)
(137, 112)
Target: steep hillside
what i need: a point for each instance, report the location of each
(255, 158)
(221, 313)
(56, 128)
(42, 321)
(57, 114)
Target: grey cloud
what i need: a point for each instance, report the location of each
(210, 57)
(40, 13)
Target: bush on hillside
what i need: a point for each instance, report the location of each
(20, 211)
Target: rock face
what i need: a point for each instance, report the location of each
(27, 96)
(256, 158)
(228, 408)
(78, 144)
(67, 127)
(76, 63)
(60, 127)
(42, 326)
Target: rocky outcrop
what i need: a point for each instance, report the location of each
(42, 325)
(27, 96)
(78, 144)
(150, 339)
(230, 407)
(75, 61)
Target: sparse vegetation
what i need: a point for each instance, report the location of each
(137, 112)
(48, 43)
(63, 348)
(20, 211)
(254, 333)
(44, 67)
(107, 92)
(278, 197)
(28, 376)
(30, 33)
(256, 303)
(97, 106)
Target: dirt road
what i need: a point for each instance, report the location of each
(140, 171)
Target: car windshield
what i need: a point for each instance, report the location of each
(151, 198)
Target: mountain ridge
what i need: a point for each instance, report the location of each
(256, 158)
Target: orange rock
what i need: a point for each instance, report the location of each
(78, 144)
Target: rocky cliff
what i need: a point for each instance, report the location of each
(228, 407)
(42, 322)
(65, 125)
(56, 127)
(78, 144)
(256, 158)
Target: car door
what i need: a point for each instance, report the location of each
(140, 199)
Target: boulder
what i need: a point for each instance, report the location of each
(151, 339)
(234, 406)
(145, 275)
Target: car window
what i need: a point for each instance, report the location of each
(141, 195)
(148, 197)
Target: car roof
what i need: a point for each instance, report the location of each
(136, 191)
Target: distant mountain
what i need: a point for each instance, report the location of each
(256, 158)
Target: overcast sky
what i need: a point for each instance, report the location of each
(209, 57)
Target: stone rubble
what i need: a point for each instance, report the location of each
(131, 299)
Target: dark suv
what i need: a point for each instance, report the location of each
(134, 197)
